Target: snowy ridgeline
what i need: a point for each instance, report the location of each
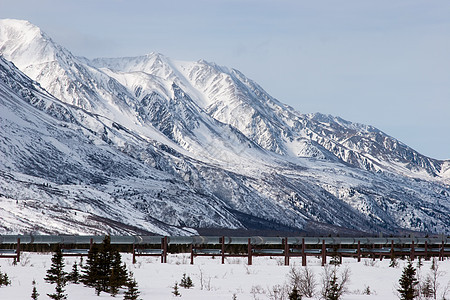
(212, 280)
(154, 144)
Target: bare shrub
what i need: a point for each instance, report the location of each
(24, 259)
(430, 286)
(279, 292)
(257, 290)
(280, 261)
(304, 280)
(370, 263)
(205, 280)
(234, 261)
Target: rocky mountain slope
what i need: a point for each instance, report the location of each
(153, 144)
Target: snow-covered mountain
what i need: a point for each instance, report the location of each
(170, 146)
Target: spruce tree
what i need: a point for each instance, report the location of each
(427, 288)
(393, 263)
(4, 279)
(294, 294)
(408, 283)
(175, 291)
(34, 293)
(57, 275)
(189, 283)
(186, 282)
(104, 264)
(119, 275)
(74, 276)
(59, 293)
(90, 270)
(56, 272)
(333, 292)
(183, 281)
(132, 292)
(334, 286)
(104, 269)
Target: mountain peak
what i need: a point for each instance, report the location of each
(220, 141)
(23, 26)
(25, 43)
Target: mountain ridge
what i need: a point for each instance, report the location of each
(225, 146)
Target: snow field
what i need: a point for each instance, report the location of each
(211, 279)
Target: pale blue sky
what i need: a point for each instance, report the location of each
(383, 63)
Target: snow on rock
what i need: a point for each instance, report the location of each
(193, 144)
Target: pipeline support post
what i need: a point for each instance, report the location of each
(286, 252)
(18, 250)
(164, 250)
(358, 251)
(249, 252)
(303, 253)
(392, 250)
(324, 253)
(222, 241)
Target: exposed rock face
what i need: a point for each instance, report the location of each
(168, 146)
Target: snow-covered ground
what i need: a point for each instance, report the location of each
(212, 280)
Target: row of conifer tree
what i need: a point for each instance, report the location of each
(103, 271)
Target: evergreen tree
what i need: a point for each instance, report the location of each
(335, 258)
(4, 279)
(186, 282)
(333, 292)
(294, 294)
(183, 281)
(189, 283)
(34, 293)
(89, 276)
(104, 265)
(175, 291)
(118, 276)
(393, 263)
(427, 288)
(74, 276)
(56, 272)
(408, 283)
(334, 286)
(132, 292)
(419, 262)
(59, 293)
(57, 275)
(104, 270)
